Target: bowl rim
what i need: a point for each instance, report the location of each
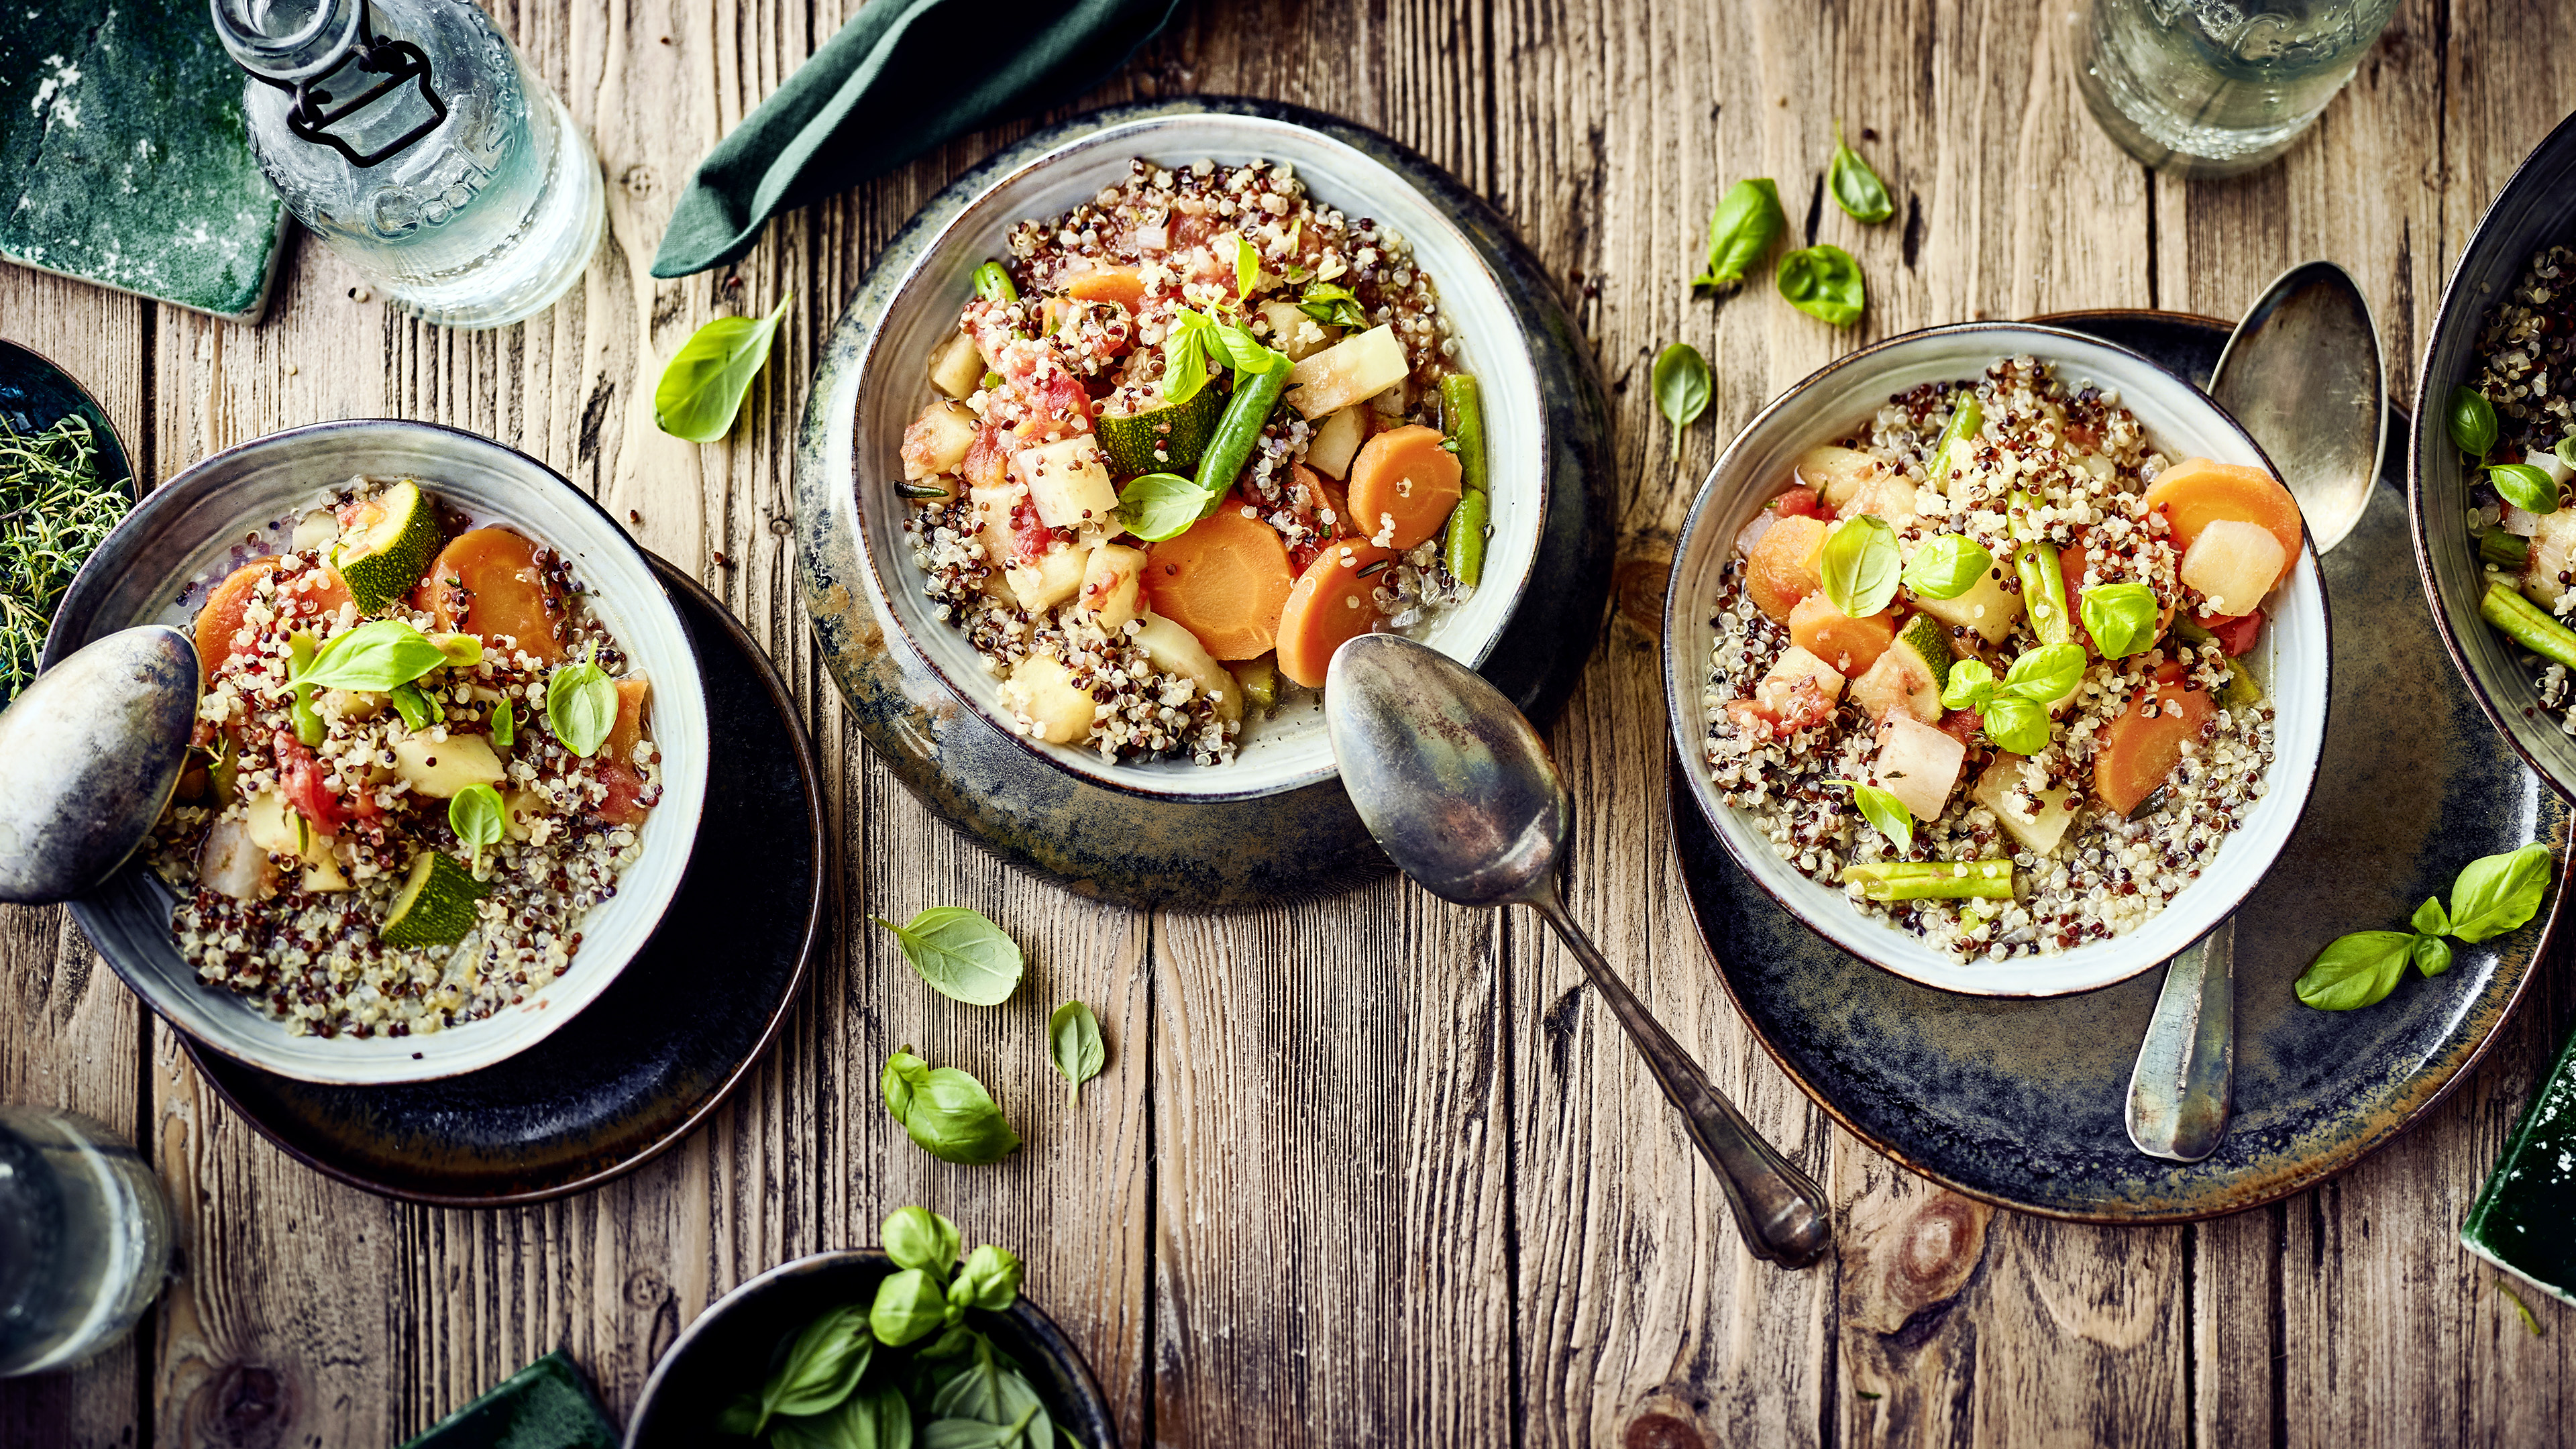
(549, 1022)
(2457, 310)
(974, 191)
(1681, 694)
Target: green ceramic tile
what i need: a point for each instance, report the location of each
(2521, 1219)
(122, 155)
(547, 1405)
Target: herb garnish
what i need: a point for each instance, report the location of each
(1073, 1044)
(1884, 812)
(1858, 565)
(1682, 388)
(2494, 894)
(2015, 709)
(478, 816)
(1741, 231)
(581, 704)
(702, 388)
(54, 510)
(1856, 188)
(945, 1111)
(1947, 565)
(1823, 281)
(961, 953)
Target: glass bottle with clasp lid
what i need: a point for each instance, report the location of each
(409, 137)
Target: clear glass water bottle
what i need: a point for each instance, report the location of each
(84, 1239)
(408, 135)
(2219, 87)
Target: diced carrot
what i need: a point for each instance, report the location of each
(1403, 480)
(634, 692)
(1848, 644)
(2235, 635)
(1782, 567)
(1225, 580)
(1122, 285)
(1331, 603)
(488, 582)
(312, 593)
(2140, 750)
(2197, 492)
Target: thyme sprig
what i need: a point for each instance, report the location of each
(54, 511)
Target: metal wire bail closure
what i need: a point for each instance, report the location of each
(398, 61)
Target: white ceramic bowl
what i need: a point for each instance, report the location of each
(195, 524)
(887, 389)
(2291, 658)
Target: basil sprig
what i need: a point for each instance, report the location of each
(1824, 282)
(1885, 813)
(2493, 894)
(1073, 1044)
(702, 388)
(1946, 566)
(2524, 486)
(823, 1367)
(376, 656)
(1856, 188)
(419, 709)
(2121, 618)
(1185, 368)
(1333, 305)
(2472, 422)
(961, 953)
(1682, 388)
(581, 705)
(1741, 231)
(945, 1111)
(478, 816)
(1858, 565)
(2015, 708)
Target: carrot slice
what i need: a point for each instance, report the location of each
(1224, 580)
(1850, 645)
(1403, 481)
(488, 582)
(1330, 604)
(1122, 285)
(2196, 492)
(634, 691)
(1782, 567)
(309, 594)
(2140, 751)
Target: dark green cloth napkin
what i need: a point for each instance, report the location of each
(547, 1405)
(901, 77)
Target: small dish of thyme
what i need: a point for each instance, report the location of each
(55, 508)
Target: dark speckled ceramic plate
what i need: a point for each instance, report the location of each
(659, 1048)
(2019, 1102)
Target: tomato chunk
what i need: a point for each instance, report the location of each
(2235, 635)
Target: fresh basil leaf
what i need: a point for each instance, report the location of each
(1859, 565)
(1856, 188)
(2473, 422)
(1334, 306)
(990, 1279)
(1247, 268)
(1946, 566)
(374, 656)
(1159, 506)
(1741, 231)
(1682, 388)
(916, 1237)
(462, 651)
(2498, 893)
(1824, 282)
(1185, 367)
(2017, 724)
(990, 1391)
(945, 1111)
(740, 1417)
(1073, 1043)
(2431, 955)
(1971, 685)
(702, 388)
(418, 710)
(909, 1305)
(1244, 352)
(2566, 450)
(1030, 1431)
(478, 817)
(581, 706)
(822, 1367)
(963, 955)
(2430, 919)
(880, 1419)
(2045, 675)
(1885, 813)
(505, 724)
(2525, 487)
(2355, 971)
(2121, 618)
(953, 1340)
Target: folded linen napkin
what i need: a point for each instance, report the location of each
(900, 77)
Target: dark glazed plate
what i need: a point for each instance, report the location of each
(729, 1349)
(35, 394)
(2020, 1102)
(662, 1045)
(1116, 839)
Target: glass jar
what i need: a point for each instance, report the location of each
(84, 1239)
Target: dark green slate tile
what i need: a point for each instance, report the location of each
(547, 1405)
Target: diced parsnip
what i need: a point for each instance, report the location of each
(1984, 608)
(271, 824)
(2553, 552)
(2233, 565)
(1347, 372)
(444, 767)
(1388, 404)
(1051, 580)
(1334, 444)
(1889, 496)
(1837, 473)
(1174, 650)
(325, 874)
(957, 369)
(1042, 688)
(1067, 482)
(230, 863)
(522, 808)
(1897, 682)
(2038, 833)
(1795, 664)
(1295, 333)
(937, 441)
(1109, 583)
(1918, 764)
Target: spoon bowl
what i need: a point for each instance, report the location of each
(89, 754)
(2304, 374)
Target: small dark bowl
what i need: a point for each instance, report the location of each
(2536, 208)
(730, 1348)
(35, 393)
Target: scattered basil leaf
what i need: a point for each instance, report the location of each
(2525, 487)
(2355, 971)
(1682, 388)
(581, 706)
(2121, 618)
(2473, 422)
(822, 1367)
(1946, 566)
(2431, 919)
(505, 724)
(1185, 366)
(1885, 813)
(2431, 955)
(1247, 268)
(963, 955)
(2014, 723)
(1859, 565)
(1334, 306)
(374, 656)
(1971, 685)
(1159, 506)
(1073, 1042)
(478, 817)
(2498, 893)
(1856, 188)
(418, 710)
(909, 1305)
(945, 1111)
(916, 1237)
(990, 1279)
(1741, 231)
(701, 391)
(2045, 675)
(1824, 282)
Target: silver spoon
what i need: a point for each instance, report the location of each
(1459, 790)
(2303, 373)
(89, 754)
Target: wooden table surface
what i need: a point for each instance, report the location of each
(1373, 1170)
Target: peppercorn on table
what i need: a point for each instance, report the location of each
(1371, 1169)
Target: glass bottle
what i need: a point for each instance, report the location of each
(84, 1239)
(408, 135)
(2219, 87)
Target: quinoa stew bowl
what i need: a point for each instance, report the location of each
(1998, 656)
(451, 752)
(1021, 415)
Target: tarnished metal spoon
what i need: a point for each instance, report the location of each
(89, 754)
(2303, 373)
(1459, 790)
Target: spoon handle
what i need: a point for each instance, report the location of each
(2179, 1092)
(1778, 1209)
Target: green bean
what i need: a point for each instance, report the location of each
(2504, 550)
(1966, 419)
(300, 649)
(994, 285)
(1464, 550)
(2530, 625)
(1904, 880)
(2043, 592)
(1464, 411)
(1255, 394)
